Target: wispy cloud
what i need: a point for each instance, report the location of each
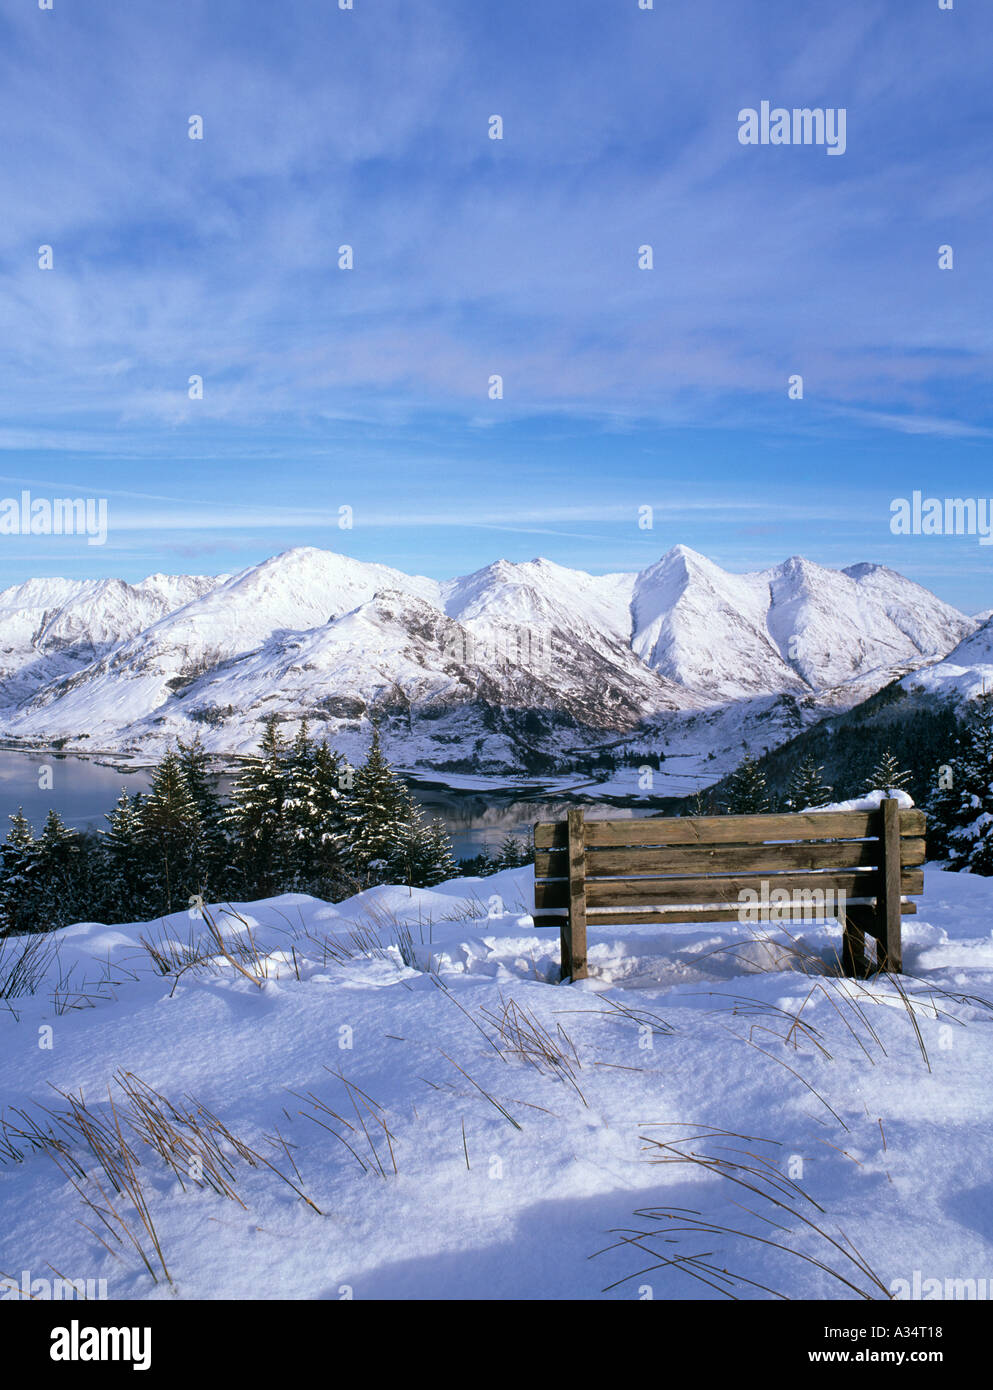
(176, 258)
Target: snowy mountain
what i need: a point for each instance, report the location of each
(512, 668)
(798, 627)
(50, 625)
(963, 674)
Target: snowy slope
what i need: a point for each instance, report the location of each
(795, 628)
(417, 1145)
(535, 660)
(49, 625)
(706, 628)
(541, 591)
(964, 673)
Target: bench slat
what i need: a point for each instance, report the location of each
(615, 892)
(673, 890)
(729, 830)
(682, 916)
(704, 859)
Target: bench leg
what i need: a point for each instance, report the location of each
(565, 950)
(889, 952)
(574, 945)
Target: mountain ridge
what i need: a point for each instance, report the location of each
(513, 665)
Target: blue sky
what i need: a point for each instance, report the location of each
(368, 388)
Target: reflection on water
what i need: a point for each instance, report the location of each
(83, 792)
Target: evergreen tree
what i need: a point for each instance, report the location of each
(380, 843)
(747, 793)
(331, 782)
(315, 816)
(18, 883)
(513, 853)
(426, 853)
(301, 813)
(479, 866)
(59, 875)
(886, 776)
(807, 787)
(172, 836)
(126, 888)
(257, 818)
(210, 848)
(963, 811)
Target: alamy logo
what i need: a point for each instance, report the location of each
(75, 1343)
(504, 645)
(920, 1289)
(57, 516)
(770, 904)
(942, 516)
(54, 1289)
(803, 125)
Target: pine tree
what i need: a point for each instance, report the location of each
(172, 834)
(513, 853)
(479, 866)
(331, 780)
(807, 787)
(747, 793)
(886, 776)
(425, 857)
(380, 844)
(210, 848)
(963, 810)
(301, 813)
(315, 816)
(18, 877)
(257, 818)
(126, 889)
(701, 804)
(59, 875)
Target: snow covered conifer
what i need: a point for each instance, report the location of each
(314, 807)
(513, 853)
(171, 832)
(701, 804)
(126, 889)
(887, 776)
(747, 793)
(301, 812)
(330, 802)
(19, 863)
(257, 818)
(807, 787)
(425, 857)
(964, 811)
(210, 850)
(59, 874)
(379, 820)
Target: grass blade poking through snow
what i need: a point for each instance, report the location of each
(779, 1197)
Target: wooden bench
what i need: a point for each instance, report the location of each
(858, 866)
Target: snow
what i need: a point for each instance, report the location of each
(511, 659)
(964, 673)
(513, 1167)
(870, 802)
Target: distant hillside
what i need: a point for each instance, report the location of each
(919, 732)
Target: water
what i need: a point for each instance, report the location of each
(83, 791)
(80, 790)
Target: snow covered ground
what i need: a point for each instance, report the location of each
(397, 1100)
